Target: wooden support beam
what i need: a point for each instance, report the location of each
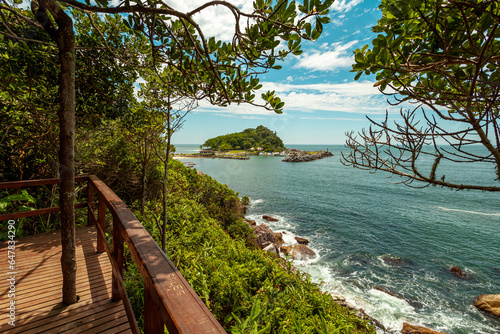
(91, 204)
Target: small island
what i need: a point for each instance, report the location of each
(260, 139)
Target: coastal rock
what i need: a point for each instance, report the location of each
(298, 252)
(412, 329)
(278, 239)
(295, 155)
(271, 248)
(489, 304)
(457, 272)
(336, 297)
(302, 241)
(199, 173)
(250, 222)
(395, 261)
(263, 235)
(269, 219)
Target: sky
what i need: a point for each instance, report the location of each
(322, 100)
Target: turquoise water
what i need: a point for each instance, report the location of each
(355, 219)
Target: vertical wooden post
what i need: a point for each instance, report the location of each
(118, 256)
(101, 221)
(152, 318)
(90, 203)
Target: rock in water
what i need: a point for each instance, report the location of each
(302, 241)
(263, 235)
(458, 272)
(269, 219)
(411, 329)
(489, 304)
(298, 252)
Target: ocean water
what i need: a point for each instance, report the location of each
(370, 232)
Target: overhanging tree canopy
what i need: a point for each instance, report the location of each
(444, 57)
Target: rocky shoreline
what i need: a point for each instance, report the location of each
(270, 241)
(295, 155)
(211, 156)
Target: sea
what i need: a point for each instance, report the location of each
(371, 232)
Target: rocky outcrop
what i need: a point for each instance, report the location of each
(411, 329)
(269, 219)
(489, 304)
(250, 222)
(264, 236)
(302, 241)
(271, 248)
(278, 240)
(298, 252)
(301, 156)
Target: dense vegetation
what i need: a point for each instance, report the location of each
(250, 138)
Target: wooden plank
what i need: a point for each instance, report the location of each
(39, 294)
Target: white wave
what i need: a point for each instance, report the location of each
(467, 211)
(254, 202)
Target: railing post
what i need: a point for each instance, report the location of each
(90, 203)
(153, 324)
(118, 256)
(101, 221)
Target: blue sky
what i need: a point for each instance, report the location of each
(322, 100)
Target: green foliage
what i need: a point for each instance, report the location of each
(258, 137)
(247, 290)
(436, 52)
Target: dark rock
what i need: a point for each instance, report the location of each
(412, 329)
(395, 261)
(298, 252)
(263, 235)
(458, 272)
(250, 222)
(302, 241)
(278, 239)
(295, 155)
(489, 304)
(269, 219)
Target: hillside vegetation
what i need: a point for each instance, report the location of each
(247, 139)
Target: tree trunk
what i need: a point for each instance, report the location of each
(144, 177)
(66, 44)
(165, 183)
(165, 191)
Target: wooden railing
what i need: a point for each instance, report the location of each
(169, 300)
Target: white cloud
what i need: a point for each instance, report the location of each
(353, 98)
(217, 21)
(345, 5)
(330, 58)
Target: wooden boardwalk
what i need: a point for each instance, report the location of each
(38, 288)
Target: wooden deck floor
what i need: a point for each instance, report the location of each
(38, 285)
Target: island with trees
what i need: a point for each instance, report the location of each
(258, 139)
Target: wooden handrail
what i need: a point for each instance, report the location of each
(169, 300)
